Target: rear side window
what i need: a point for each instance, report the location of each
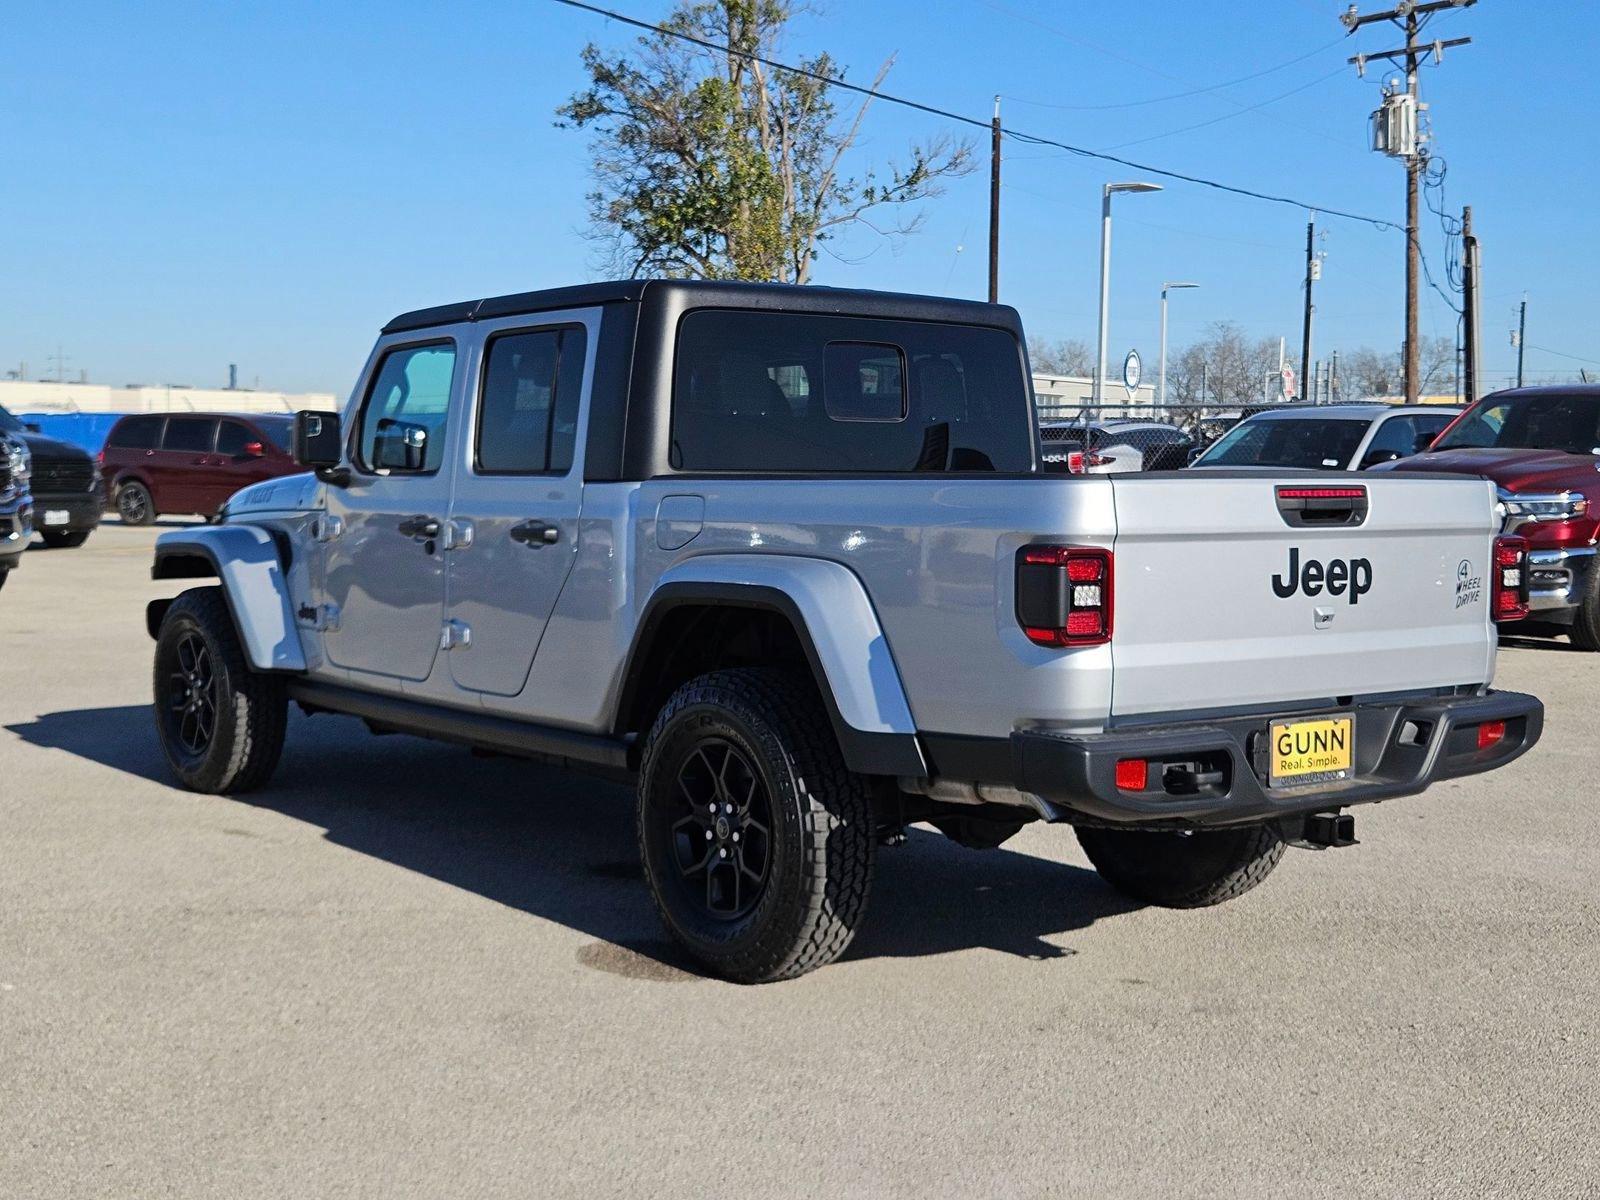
(188, 433)
(528, 412)
(815, 392)
(137, 433)
(408, 403)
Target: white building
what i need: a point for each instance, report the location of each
(39, 396)
(1074, 391)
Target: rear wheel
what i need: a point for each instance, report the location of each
(756, 841)
(60, 539)
(1183, 870)
(135, 505)
(4, 574)
(221, 723)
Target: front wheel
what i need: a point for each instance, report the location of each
(61, 539)
(756, 841)
(221, 724)
(1183, 870)
(1586, 621)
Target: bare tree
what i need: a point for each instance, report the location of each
(1367, 372)
(709, 164)
(1231, 365)
(1068, 356)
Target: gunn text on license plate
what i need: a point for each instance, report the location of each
(1315, 751)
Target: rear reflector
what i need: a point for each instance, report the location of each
(1508, 588)
(1064, 595)
(1133, 774)
(1491, 733)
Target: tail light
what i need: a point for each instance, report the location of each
(1508, 590)
(1491, 733)
(1079, 461)
(1064, 595)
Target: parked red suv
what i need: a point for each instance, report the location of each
(1541, 447)
(191, 463)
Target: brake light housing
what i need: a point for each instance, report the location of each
(1079, 461)
(1508, 588)
(1064, 595)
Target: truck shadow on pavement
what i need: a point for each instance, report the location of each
(561, 846)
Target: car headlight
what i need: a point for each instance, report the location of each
(1558, 506)
(20, 463)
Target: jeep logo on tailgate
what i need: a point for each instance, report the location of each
(1338, 577)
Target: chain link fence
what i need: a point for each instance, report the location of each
(1131, 437)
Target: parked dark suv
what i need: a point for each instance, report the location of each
(65, 485)
(191, 462)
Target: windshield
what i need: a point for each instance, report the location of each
(9, 424)
(1560, 422)
(1264, 442)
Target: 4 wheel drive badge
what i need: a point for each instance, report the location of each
(1469, 587)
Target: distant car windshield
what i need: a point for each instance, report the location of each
(1312, 442)
(10, 424)
(1557, 422)
(280, 430)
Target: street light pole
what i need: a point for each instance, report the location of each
(1161, 388)
(1105, 274)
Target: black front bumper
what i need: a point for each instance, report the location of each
(1210, 773)
(83, 511)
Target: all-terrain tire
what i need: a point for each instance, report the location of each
(819, 851)
(64, 539)
(237, 748)
(135, 504)
(1183, 870)
(1586, 621)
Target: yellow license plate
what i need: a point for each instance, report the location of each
(1318, 751)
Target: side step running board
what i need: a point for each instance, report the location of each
(611, 756)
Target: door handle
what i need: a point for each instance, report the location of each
(535, 533)
(419, 527)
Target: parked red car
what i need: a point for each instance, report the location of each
(1541, 447)
(191, 463)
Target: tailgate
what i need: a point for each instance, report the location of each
(1210, 616)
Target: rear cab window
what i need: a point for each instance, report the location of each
(789, 392)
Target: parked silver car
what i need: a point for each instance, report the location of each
(1329, 437)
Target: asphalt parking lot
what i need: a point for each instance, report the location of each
(403, 970)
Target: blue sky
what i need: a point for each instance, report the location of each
(191, 185)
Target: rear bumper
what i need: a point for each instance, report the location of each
(1557, 581)
(83, 511)
(1400, 749)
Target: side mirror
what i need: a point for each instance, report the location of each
(33, 427)
(400, 446)
(1194, 454)
(317, 440)
(253, 450)
(1424, 443)
(1376, 458)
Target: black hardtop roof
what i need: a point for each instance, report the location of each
(703, 293)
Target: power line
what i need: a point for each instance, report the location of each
(1199, 91)
(974, 122)
(1339, 70)
(1562, 354)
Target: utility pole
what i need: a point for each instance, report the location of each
(1469, 307)
(1522, 336)
(1305, 335)
(994, 205)
(60, 361)
(1395, 133)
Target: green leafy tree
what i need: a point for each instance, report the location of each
(710, 165)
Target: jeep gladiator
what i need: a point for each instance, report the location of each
(785, 558)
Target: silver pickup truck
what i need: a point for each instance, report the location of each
(785, 558)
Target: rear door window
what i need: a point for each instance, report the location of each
(192, 434)
(137, 433)
(528, 411)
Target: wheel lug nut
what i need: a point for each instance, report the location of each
(736, 837)
(708, 835)
(723, 853)
(727, 808)
(712, 807)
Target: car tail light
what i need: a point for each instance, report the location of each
(1079, 461)
(1133, 775)
(1064, 595)
(1508, 588)
(1491, 733)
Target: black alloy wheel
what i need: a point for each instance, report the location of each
(722, 844)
